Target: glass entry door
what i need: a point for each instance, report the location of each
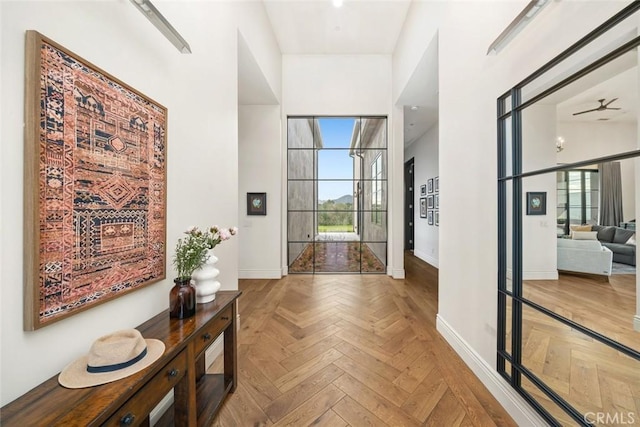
(337, 194)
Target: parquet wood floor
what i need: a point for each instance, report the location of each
(589, 375)
(351, 350)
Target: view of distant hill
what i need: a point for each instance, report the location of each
(347, 198)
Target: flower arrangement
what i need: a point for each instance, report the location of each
(191, 250)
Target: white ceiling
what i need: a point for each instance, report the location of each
(317, 27)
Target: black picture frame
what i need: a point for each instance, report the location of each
(436, 184)
(423, 207)
(256, 203)
(437, 201)
(430, 217)
(437, 219)
(423, 190)
(536, 202)
(430, 185)
(430, 202)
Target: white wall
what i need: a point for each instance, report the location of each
(539, 237)
(259, 166)
(470, 83)
(346, 85)
(425, 154)
(200, 92)
(589, 140)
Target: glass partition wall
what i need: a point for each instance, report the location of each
(337, 194)
(568, 187)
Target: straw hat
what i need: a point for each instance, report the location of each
(112, 357)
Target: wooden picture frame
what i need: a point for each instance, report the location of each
(536, 202)
(95, 185)
(423, 207)
(256, 203)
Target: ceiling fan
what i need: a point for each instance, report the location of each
(601, 107)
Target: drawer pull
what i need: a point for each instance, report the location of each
(206, 337)
(224, 318)
(127, 420)
(173, 373)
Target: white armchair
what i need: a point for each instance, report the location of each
(584, 256)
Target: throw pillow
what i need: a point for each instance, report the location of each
(605, 233)
(622, 235)
(585, 235)
(632, 240)
(575, 227)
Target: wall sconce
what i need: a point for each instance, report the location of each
(161, 23)
(559, 144)
(517, 25)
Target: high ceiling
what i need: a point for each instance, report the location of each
(318, 27)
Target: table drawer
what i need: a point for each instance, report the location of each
(140, 404)
(208, 334)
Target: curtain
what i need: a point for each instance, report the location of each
(610, 194)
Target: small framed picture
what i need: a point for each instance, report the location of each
(423, 190)
(436, 184)
(536, 202)
(423, 207)
(256, 203)
(430, 217)
(437, 217)
(437, 201)
(430, 185)
(430, 202)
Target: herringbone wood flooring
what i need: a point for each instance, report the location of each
(591, 376)
(338, 350)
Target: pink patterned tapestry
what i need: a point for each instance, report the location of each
(102, 186)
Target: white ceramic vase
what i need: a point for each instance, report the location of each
(204, 279)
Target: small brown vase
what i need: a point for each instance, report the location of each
(182, 299)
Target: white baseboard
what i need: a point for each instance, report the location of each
(540, 275)
(426, 258)
(285, 271)
(636, 322)
(260, 274)
(512, 402)
(397, 273)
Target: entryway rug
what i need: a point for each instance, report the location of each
(619, 268)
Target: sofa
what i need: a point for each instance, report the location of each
(584, 256)
(621, 241)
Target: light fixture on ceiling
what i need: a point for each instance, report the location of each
(414, 108)
(161, 23)
(338, 3)
(521, 21)
(559, 144)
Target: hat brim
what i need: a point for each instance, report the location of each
(75, 374)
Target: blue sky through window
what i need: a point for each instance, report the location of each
(335, 164)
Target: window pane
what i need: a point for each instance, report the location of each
(300, 132)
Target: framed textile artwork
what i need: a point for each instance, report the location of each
(536, 203)
(95, 185)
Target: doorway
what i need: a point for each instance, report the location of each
(337, 194)
(408, 205)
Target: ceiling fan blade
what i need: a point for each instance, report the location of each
(614, 99)
(587, 111)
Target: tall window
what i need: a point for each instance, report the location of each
(577, 198)
(376, 190)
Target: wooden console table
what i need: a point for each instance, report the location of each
(197, 395)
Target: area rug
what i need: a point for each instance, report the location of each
(619, 268)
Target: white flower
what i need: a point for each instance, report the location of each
(224, 235)
(191, 229)
(234, 231)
